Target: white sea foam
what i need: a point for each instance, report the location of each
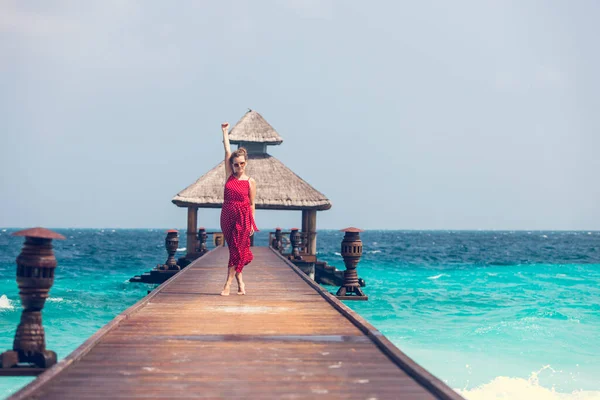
(504, 387)
(6, 303)
(56, 299)
(484, 330)
(545, 236)
(4, 230)
(374, 251)
(182, 249)
(570, 278)
(437, 276)
(337, 254)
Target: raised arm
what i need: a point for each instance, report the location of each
(224, 128)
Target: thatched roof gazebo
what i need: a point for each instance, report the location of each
(277, 187)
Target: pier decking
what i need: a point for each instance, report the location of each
(286, 339)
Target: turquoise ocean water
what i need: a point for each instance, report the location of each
(495, 314)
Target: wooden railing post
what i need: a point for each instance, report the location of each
(218, 239)
(202, 237)
(351, 252)
(295, 242)
(35, 275)
(277, 242)
(171, 244)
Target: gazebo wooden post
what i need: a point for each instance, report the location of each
(305, 225)
(311, 228)
(305, 220)
(192, 240)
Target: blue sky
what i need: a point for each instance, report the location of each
(407, 115)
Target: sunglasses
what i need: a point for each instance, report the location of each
(241, 164)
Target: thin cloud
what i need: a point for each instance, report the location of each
(319, 9)
(541, 77)
(16, 20)
(550, 77)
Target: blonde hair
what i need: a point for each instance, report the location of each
(241, 152)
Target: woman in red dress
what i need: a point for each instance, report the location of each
(237, 214)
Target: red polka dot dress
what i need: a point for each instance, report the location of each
(237, 221)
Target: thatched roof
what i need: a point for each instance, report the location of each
(277, 187)
(253, 128)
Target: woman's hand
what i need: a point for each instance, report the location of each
(225, 127)
(251, 231)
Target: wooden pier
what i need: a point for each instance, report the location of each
(286, 339)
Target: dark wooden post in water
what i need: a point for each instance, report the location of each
(171, 244)
(351, 252)
(162, 272)
(35, 276)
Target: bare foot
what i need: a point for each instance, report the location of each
(242, 289)
(225, 291)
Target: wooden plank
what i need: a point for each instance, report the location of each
(420, 374)
(287, 338)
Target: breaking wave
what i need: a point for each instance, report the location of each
(6, 303)
(504, 387)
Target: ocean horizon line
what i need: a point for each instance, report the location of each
(5, 228)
